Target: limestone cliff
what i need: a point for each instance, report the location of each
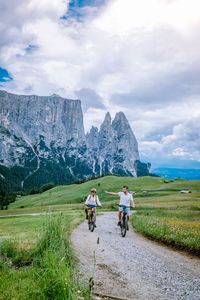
(42, 139)
(117, 149)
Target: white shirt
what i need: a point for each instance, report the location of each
(125, 198)
(93, 200)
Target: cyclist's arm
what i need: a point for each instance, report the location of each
(98, 202)
(86, 202)
(110, 193)
(132, 203)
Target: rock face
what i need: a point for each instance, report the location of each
(42, 139)
(114, 148)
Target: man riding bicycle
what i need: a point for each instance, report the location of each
(91, 202)
(125, 200)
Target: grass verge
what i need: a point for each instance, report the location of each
(177, 228)
(46, 271)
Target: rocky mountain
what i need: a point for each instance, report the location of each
(42, 139)
(114, 149)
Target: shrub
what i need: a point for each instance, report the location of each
(46, 187)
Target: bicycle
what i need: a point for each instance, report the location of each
(92, 218)
(91, 224)
(124, 220)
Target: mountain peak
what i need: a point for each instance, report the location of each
(55, 95)
(120, 121)
(120, 116)
(93, 129)
(107, 120)
(107, 117)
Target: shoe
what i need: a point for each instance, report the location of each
(119, 224)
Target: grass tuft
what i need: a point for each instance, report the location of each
(47, 271)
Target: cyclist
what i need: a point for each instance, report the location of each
(125, 200)
(91, 202)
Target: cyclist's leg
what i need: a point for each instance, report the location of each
(93, 211)
(86, 211)
(89, 208)
(119, 216)
(127, 210)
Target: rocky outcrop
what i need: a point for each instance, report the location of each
(114, 148)
(42, 139)
(53, 120)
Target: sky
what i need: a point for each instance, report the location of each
(141, 57)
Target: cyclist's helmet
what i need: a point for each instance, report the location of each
(93, 190)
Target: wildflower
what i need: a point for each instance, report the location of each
(64, 288)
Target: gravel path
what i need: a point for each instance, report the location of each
(134, 267)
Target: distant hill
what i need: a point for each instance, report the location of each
(77, 193)
(172, 173)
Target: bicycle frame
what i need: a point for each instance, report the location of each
(124, 220)
(91, 224)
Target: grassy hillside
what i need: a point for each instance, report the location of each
(157, 192)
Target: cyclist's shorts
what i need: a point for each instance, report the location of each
(91, 206)
(127, 209)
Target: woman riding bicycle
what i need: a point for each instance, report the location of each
(91, 202)
(125, 200)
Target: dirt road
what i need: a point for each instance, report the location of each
(134, 267)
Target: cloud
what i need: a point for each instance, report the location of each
(141, 57)
(182, 143)
(123, 18)
(185, 140)
(162, 91)
(90, 99)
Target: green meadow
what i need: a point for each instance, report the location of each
(162, 212)
(157, 192)
(36, 258)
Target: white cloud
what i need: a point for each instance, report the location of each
(182, 143)
(141, 57)
(124, 17)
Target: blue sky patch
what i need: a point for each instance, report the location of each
(82, 3)
(4, 75)
(75, 9)
(31, 48)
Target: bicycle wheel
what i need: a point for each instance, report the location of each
(92, 222)
(89, 225)
(123, 225)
